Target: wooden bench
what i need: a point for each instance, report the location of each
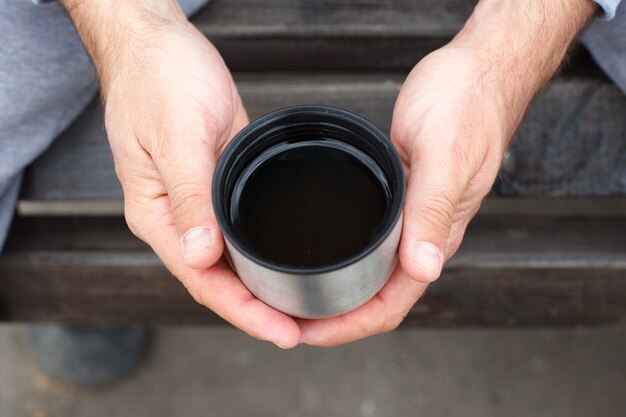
(548, 249)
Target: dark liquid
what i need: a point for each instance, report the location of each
(310, 206)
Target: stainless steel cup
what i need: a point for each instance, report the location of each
(332, 289)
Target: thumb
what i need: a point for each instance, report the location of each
(433, 193)
(186, 167)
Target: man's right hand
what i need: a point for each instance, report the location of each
(171, 106)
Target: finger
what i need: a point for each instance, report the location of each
(186, 161)
(433, 192)
(381, 314)
(218, 288)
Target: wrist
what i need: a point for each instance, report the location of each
(539, 32)
(115, 31)
(518, 46)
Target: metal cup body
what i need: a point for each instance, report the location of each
(322, 294)
(322, 291)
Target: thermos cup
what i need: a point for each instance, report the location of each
(309, 199)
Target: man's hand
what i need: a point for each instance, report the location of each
(452, 122)
(170, 108)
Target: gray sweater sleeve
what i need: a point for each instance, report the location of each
(606, 41)
(609, 7)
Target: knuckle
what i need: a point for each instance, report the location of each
(457, 233)
(365, 329)
(133, 221)
(392, 322)
(439, 213)
(196, 295)
(185, 197)
(193, 289)
(452, 246)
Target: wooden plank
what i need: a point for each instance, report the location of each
(488, 233)
(495, 206)
(321, 35)
(288, 18)
(569, 149)
(595, 207)
(325, 54)
(92, 208)
(570, 144)
(513, 271)
(313, 35)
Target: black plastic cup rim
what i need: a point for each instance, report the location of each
(313, 122)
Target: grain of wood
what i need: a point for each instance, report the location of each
(290, 18)
(570, 144)
(511, 271)
(345, 35)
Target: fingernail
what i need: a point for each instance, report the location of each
(428, 255)
(279, 345)
(196, 240)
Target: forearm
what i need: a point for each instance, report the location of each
(522, 44)
(112, 29)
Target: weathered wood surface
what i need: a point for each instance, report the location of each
(539, 270)
(316, 35)
(596, 207)
(313, 35)
(426, 18)
(578, 148)
(511, 271)
(573, 141)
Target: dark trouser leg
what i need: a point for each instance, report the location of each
(88, 355)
